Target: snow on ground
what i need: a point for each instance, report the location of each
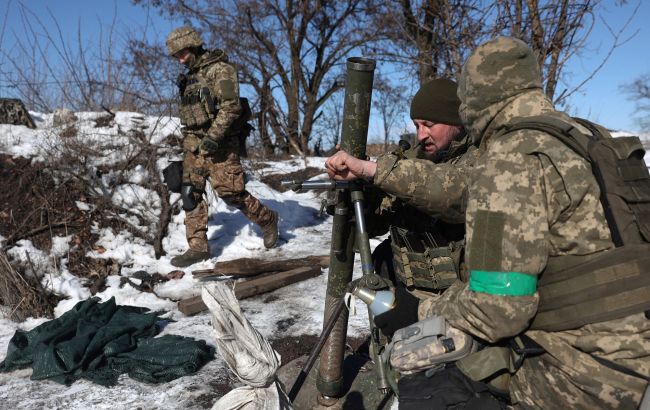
(290, 311)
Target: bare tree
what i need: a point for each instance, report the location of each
(639, 91)
(437, 35)
(389, 102)
(47, 72)
(328, 129)
(559, 31)
(289, 52)
(431, 38)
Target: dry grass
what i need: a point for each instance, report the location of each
(23, 295)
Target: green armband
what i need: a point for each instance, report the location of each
(502, 283)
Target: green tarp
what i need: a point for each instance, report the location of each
(99, 341)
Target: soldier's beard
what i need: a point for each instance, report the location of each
(423, 153)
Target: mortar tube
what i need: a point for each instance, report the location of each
(354, 136)
(304, 372)
(329, 381)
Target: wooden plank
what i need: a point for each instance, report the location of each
(191, 306)
(252, 266)
(255, 286)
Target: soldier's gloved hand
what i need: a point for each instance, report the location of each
(181, 83)
(403, 314)
(208, 145)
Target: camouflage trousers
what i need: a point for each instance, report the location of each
(227, 178)
(568, 376)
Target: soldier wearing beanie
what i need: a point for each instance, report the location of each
(423, 254)
(536, 240)
(434, 111)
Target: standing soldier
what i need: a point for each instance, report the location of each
(213, 119)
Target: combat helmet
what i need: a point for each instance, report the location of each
(183, 37)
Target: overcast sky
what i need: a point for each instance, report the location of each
(601, 99)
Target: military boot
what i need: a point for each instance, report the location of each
(270, 232)
(190, 257)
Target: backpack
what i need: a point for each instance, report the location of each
(578, 290)
(618, 166)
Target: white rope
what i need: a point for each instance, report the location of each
(248, 354)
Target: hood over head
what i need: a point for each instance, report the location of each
(494, 75)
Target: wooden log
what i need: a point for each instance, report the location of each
(252, 266)
(255, 286)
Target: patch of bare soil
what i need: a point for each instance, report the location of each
(273, 180)
(293, 347)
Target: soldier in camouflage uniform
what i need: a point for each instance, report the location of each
(532, 207)
(213, 121)
(422, 253)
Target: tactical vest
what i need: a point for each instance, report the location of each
(577, 290)
(198, 106)
(420, 262)
(419, 259)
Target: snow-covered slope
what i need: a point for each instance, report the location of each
(291, 311)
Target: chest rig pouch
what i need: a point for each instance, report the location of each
(427, 345)
(420, 262)
(197, 107)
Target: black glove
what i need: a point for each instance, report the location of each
(209, 145)
(181, 83)
(403, 314)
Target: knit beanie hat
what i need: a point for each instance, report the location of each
(436, 101)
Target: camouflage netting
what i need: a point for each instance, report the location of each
(13, 111)
(99, 341)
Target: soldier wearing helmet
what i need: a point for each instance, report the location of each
(213, 119)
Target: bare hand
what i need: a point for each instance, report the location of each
(343, 166)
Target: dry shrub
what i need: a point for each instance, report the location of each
(374, 150)
(22, 294)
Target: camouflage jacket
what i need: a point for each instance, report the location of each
(443, 196)
(390, 207)
(529, 198)
(221, 78)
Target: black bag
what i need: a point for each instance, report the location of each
(173, 176)
(245, 128)
(448, 388)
